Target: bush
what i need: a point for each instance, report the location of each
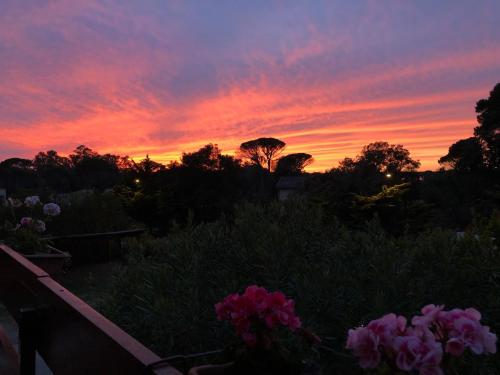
(340, 279)
(87, 211)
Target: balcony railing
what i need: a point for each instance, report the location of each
(68, 334)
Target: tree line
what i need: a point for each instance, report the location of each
(85, 168)
(382, 180)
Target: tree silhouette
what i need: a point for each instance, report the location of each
(16, 173)
(465, 155)
(125, 163)
(53, 170)
(50, 159)
(92, 170)
(366, 173)
(293, 163)
(146, 167)
(262, 151)
(17, 163)
(206, 158)
(82, 153)
(387, 158)
(229, 163)
(209, 158)
(347, 165)
(488, 131)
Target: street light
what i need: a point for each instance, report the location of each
(388, 175)
(137, 181)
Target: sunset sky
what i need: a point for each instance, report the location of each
(162, 77)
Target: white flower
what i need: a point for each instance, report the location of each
(40, 226)
(13, 202)
(32, 201)
(51, 209)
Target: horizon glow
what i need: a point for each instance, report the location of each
(162, 78)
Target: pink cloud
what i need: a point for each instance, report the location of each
(162, 79)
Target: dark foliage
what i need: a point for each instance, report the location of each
(339, 278)
(381, 157)
(466, 155)
(293, 164)
(488, 131)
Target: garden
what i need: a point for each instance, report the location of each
(339, 279)
(283, 287)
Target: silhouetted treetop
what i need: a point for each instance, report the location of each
(262, 151)
(81, 153)
(209, 158)
(206, 158)
(465, 155)
(146, 167)
(93, 170)
(381, 157)
(347, 165)
(388, 158)
(50, 159)
(18, 163)
(293, 163)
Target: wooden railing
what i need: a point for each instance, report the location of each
(103, 235)
(68, 334)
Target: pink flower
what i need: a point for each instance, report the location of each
(464, 330)
(420, 347)
(472, 314)
(279, 310)
(257, 297)
(223, 309)
(364, 343)
(430, 315)
(447, 318)
(387, 327)
(255, 308)
(455, 347)
(414, 353)
(489, 341)
(406, 348)
(469, 333)
(26, 221)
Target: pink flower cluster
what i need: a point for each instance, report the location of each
(256, 312)
(28, 222)
(422, 345)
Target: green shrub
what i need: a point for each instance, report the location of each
(340, 279)
(89, 211)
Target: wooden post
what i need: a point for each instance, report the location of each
(27, 341)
